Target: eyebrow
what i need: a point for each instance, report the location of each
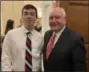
(25, 12)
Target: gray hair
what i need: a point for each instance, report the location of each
(63, 12)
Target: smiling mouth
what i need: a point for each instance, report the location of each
(53, 25)
(29, 20)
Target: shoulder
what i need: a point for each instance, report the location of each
(13, 32)
(74, 35)
(48, 32)
(77, 40)
(38, 34)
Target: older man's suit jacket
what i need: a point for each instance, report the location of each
(68, 53)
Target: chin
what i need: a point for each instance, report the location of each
(53, 29)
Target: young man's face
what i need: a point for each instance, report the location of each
(29, 18)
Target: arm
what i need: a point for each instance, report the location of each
(6, 54)
(42, 68)
(79, 56)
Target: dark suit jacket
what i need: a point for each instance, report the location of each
(68, 53)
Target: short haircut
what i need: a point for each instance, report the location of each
(30, 6)
(63, 12)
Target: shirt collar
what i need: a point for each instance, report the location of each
(60, 32)
(25, 30)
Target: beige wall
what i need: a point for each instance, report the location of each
(6, 12)
(11, 10)
(37, 4)
(17, 8)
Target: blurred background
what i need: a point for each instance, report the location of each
(77, 15)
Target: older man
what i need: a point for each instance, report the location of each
(63, 49)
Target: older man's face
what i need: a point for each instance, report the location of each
(57, 20)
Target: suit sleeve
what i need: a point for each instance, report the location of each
(6, 54)
(44, 40)
(79, 56)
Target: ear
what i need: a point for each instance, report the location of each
(65, 20)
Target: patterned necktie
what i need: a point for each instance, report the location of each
(50, 46)
(28, 55)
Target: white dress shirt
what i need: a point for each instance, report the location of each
(58, 34)
(13, 50)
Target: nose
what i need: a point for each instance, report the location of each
(53, 20)
(28, 16)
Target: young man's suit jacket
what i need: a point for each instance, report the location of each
(68, 53)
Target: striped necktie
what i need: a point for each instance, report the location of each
(50, 46)
(28, 54)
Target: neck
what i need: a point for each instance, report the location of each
(61, 29)
(29, 28)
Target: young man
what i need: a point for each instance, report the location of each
(22, 46)
(63, 49)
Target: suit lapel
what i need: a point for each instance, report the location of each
(47, 38)
(61, 45)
